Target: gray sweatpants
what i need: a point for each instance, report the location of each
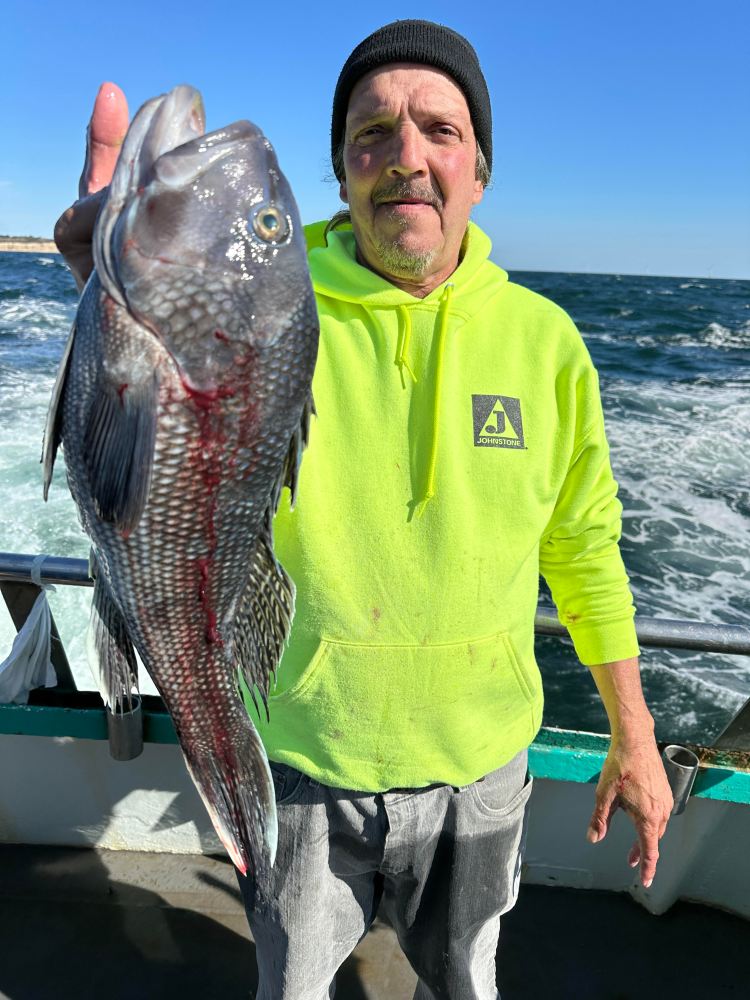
(444, 863)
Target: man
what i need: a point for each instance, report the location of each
(459, 450)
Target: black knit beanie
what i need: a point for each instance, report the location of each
(417, 42)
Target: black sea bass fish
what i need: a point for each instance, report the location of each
(182, 403)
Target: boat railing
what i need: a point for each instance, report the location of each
(23, 576)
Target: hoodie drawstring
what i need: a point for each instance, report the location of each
(401, 354)
(444, 309)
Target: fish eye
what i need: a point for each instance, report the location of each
(270, 225)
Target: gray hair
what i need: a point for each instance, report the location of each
(342, 217)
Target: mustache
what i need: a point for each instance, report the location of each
(404, 190)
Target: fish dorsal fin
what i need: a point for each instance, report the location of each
(297, 445)
(266, 608)
(264, 616)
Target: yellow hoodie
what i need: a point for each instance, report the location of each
(458, 451)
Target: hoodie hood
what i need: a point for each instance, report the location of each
(336, 273)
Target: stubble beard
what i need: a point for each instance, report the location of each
(405, 263)
(394, 257)
(399, 260)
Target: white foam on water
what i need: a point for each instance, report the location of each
(680, 454)
(722, 336)
(30, 318)
(710, 336)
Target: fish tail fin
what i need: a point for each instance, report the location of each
(235, 783)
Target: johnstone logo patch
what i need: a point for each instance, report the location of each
(497, 422)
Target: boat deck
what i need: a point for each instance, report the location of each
(132, 926)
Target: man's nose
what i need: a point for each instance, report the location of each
(407, 152)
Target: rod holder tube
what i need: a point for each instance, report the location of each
(125, 731)
(681, 766)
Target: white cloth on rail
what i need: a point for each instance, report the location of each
(29, 665)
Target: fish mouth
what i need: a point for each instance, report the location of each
(183, 165)
(182, 168)
(160, 124)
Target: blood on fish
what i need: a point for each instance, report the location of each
(210, 459)
(121, 392)
(205, 398)
(212, 633)
(213, 638)
(220, 335)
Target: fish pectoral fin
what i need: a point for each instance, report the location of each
(53, 426)
(110, 651)
(297, 445)
(118, 448)
(264, 617)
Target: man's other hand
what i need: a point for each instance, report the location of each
(104, 136)
(633, 779)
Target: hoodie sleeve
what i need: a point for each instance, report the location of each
(579, 554)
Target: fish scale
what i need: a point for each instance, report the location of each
(182, 402)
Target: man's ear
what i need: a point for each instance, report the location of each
(478, 192)
(342, 192)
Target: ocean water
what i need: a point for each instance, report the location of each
(673, 356)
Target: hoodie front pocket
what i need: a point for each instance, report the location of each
(390, 716)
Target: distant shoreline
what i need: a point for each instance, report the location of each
(26, 244)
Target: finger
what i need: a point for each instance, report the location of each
(104, 136)
(649, 845)
(605, 809)
(635, 855)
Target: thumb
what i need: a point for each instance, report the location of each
(104, 136)
(606, 806)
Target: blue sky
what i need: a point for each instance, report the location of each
(621, 138)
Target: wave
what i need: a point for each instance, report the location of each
(684, 473)
(723, 336)
(29, 316)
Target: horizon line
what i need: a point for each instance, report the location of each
(526, 270)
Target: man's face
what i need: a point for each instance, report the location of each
(410, 171)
